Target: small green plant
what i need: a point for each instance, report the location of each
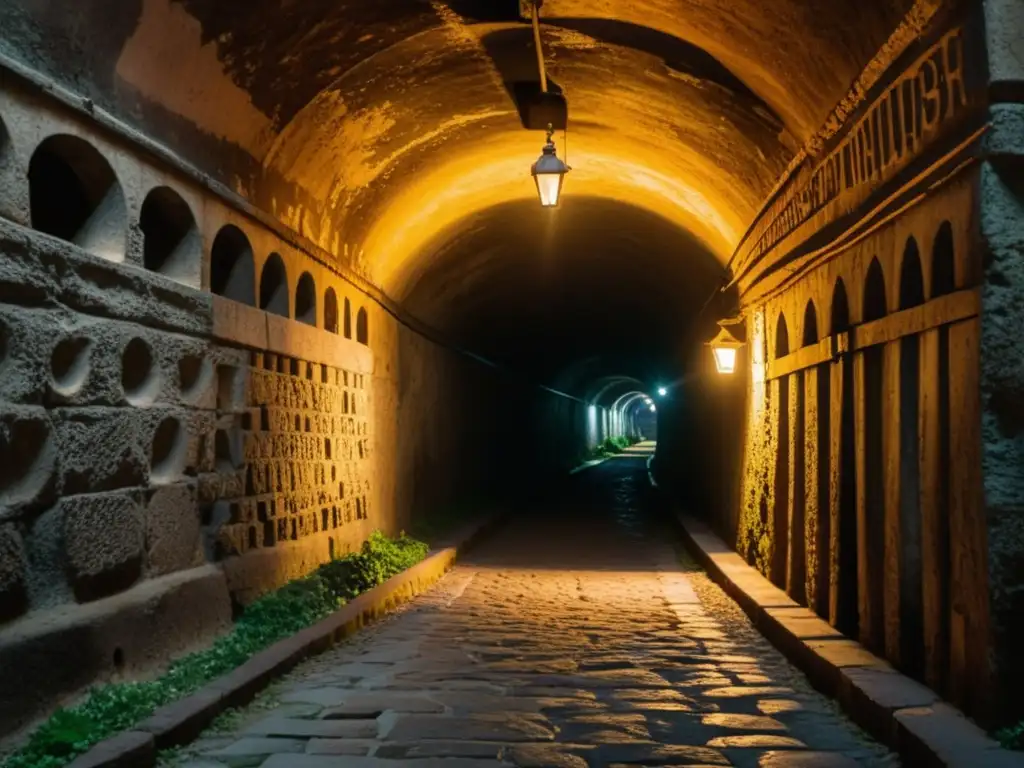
(1012, 737)
(609, 447)
(295, 606)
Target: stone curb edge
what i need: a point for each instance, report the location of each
(898, 711)
(587, 465)
(182, 721)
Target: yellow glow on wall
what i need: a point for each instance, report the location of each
(756, 345)
(480, 175)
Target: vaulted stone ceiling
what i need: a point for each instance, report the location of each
(387, 131)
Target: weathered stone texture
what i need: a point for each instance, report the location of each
(27, 457)
(912, 502)
(173, 539)
(154, 420)
(753, 537)
(606, 653)
(13, 593)
(103, 536)
(1002, 391)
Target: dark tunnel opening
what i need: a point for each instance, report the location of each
(572, 299)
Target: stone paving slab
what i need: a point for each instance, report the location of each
(896, 709)
(574, 638)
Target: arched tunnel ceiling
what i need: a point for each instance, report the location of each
(363, 110)
(388, 132)
(594, 278)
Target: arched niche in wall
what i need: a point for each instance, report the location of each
(781, 337)
(911, 294)
(305, 299)
(839, 320)
(911, 276)
(232, 269)
(843, 600)
(330, 311)
(171, 244)
(10, 177)
(362, 326)
(74, 195)
(348, 319)
(875, 305)
(943, 262)
(274, 286)
(810, 335)
(872, 584)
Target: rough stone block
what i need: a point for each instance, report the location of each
(25, 337)
(99, 287)
(13, 596)
(251, 751)
(101, 449)
(172, 529)
(182, 721)
(128, 749)
(356, 747)
(27, 458)
(802, 759)
(285, 727)
(103, 539)
(940, 735)
(47, 581)
(199, 447)
(209, 487)
(141, 628)
(194, 378)
(510, 727)
(100, 362)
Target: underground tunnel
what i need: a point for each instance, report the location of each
(276, 283)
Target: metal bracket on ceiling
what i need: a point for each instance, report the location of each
(541, 102)
(526, 8)
(535, 13)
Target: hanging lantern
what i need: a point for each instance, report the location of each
(549, 173)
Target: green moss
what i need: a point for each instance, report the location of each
(608, 448)
(109, 709)
(1012, 737)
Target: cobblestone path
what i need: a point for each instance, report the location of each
(575, 636)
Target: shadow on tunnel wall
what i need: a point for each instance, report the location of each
(702, 431)
(507, 48)
(473, 438)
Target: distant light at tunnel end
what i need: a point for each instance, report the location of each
(662, 391)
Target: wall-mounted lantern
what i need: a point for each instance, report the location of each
(725, 346)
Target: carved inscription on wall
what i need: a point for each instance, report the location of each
(898, 126)
(304, 444)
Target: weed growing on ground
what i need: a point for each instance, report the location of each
(609, 447)
(295, 606)
(1012, 737)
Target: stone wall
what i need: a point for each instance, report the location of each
(876, 449)
(195, 408)
(1001, 214)
(857, 495)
